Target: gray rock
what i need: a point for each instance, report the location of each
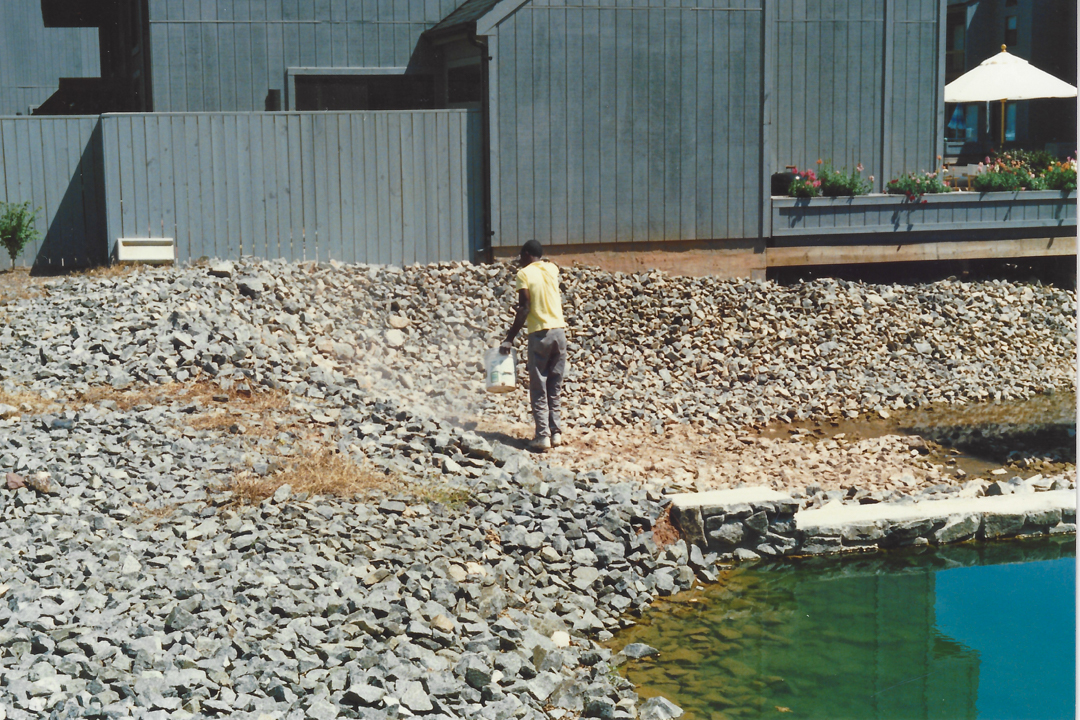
(995, 526)
(659, 708)
(179, 619)
(727, 536)
(224, 269)
(412, 696)
(957, 529)
(636, 651)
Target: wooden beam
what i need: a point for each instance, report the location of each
(917, 252)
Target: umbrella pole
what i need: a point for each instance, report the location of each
(1003, 122)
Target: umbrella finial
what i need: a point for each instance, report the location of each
(1003, 48)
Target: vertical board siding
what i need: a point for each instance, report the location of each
(915, 106)
(33, 57)
(828, 81)
(225, 55)
(854, 86)
(386, 187)
(54, 163)
(628, 122)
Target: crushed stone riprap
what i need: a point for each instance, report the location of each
(247, 490)
(646, 348)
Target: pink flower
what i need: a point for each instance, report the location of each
(871, 178)
(817, 183)
(859, 167)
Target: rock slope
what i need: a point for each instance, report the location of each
(132, 584)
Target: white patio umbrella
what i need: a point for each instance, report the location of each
(1006, 77)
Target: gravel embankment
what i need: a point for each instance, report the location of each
(131, 584)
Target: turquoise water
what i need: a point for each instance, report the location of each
(977, 631)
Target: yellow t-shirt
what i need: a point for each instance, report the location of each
(541, 279)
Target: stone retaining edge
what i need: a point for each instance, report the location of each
(753, 523)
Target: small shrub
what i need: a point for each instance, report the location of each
(915, 185)
(17, 228)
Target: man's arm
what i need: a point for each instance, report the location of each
(520, 316)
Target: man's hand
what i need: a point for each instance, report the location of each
(506, 347)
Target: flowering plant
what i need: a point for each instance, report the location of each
(915, 185)
(830, 183)
(1020, 170)
(837, 183)
(1061, 176)
(805, 184)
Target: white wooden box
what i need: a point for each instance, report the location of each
(147, 250)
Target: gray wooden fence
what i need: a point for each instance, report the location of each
(380, 187)
(55, 164)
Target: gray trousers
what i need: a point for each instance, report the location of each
(547, 366)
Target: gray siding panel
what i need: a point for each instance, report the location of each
(601, 109)
(33, 58)
(232, 53)
(368, 187)
(54, 164)
(831, 109)
(876, 103)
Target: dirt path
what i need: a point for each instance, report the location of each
(894, 453)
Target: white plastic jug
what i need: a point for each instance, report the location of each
(499, 371)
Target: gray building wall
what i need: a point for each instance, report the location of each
(225, 55)
(33, 57)
(634, 123)
(856, 82)
(663, 120)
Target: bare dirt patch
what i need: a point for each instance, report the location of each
(907, 451)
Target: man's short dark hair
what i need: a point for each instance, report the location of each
(533, 248)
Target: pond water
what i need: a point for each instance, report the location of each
(973, 631)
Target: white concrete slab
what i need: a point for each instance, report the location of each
(837, 515)
(748, 495)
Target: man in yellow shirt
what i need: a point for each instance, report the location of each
(539, 309)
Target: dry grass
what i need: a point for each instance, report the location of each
(451, 497)
(17, 284)
(200, 391)
(105, 272)
(21, 399)
(154, 515)
(323, 472)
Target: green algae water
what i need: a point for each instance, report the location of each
(976, 631)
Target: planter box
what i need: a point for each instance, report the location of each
(956, 211)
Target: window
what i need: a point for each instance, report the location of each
(955, 36)
(314, 89)
(1010, 122)
(1010, 31)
